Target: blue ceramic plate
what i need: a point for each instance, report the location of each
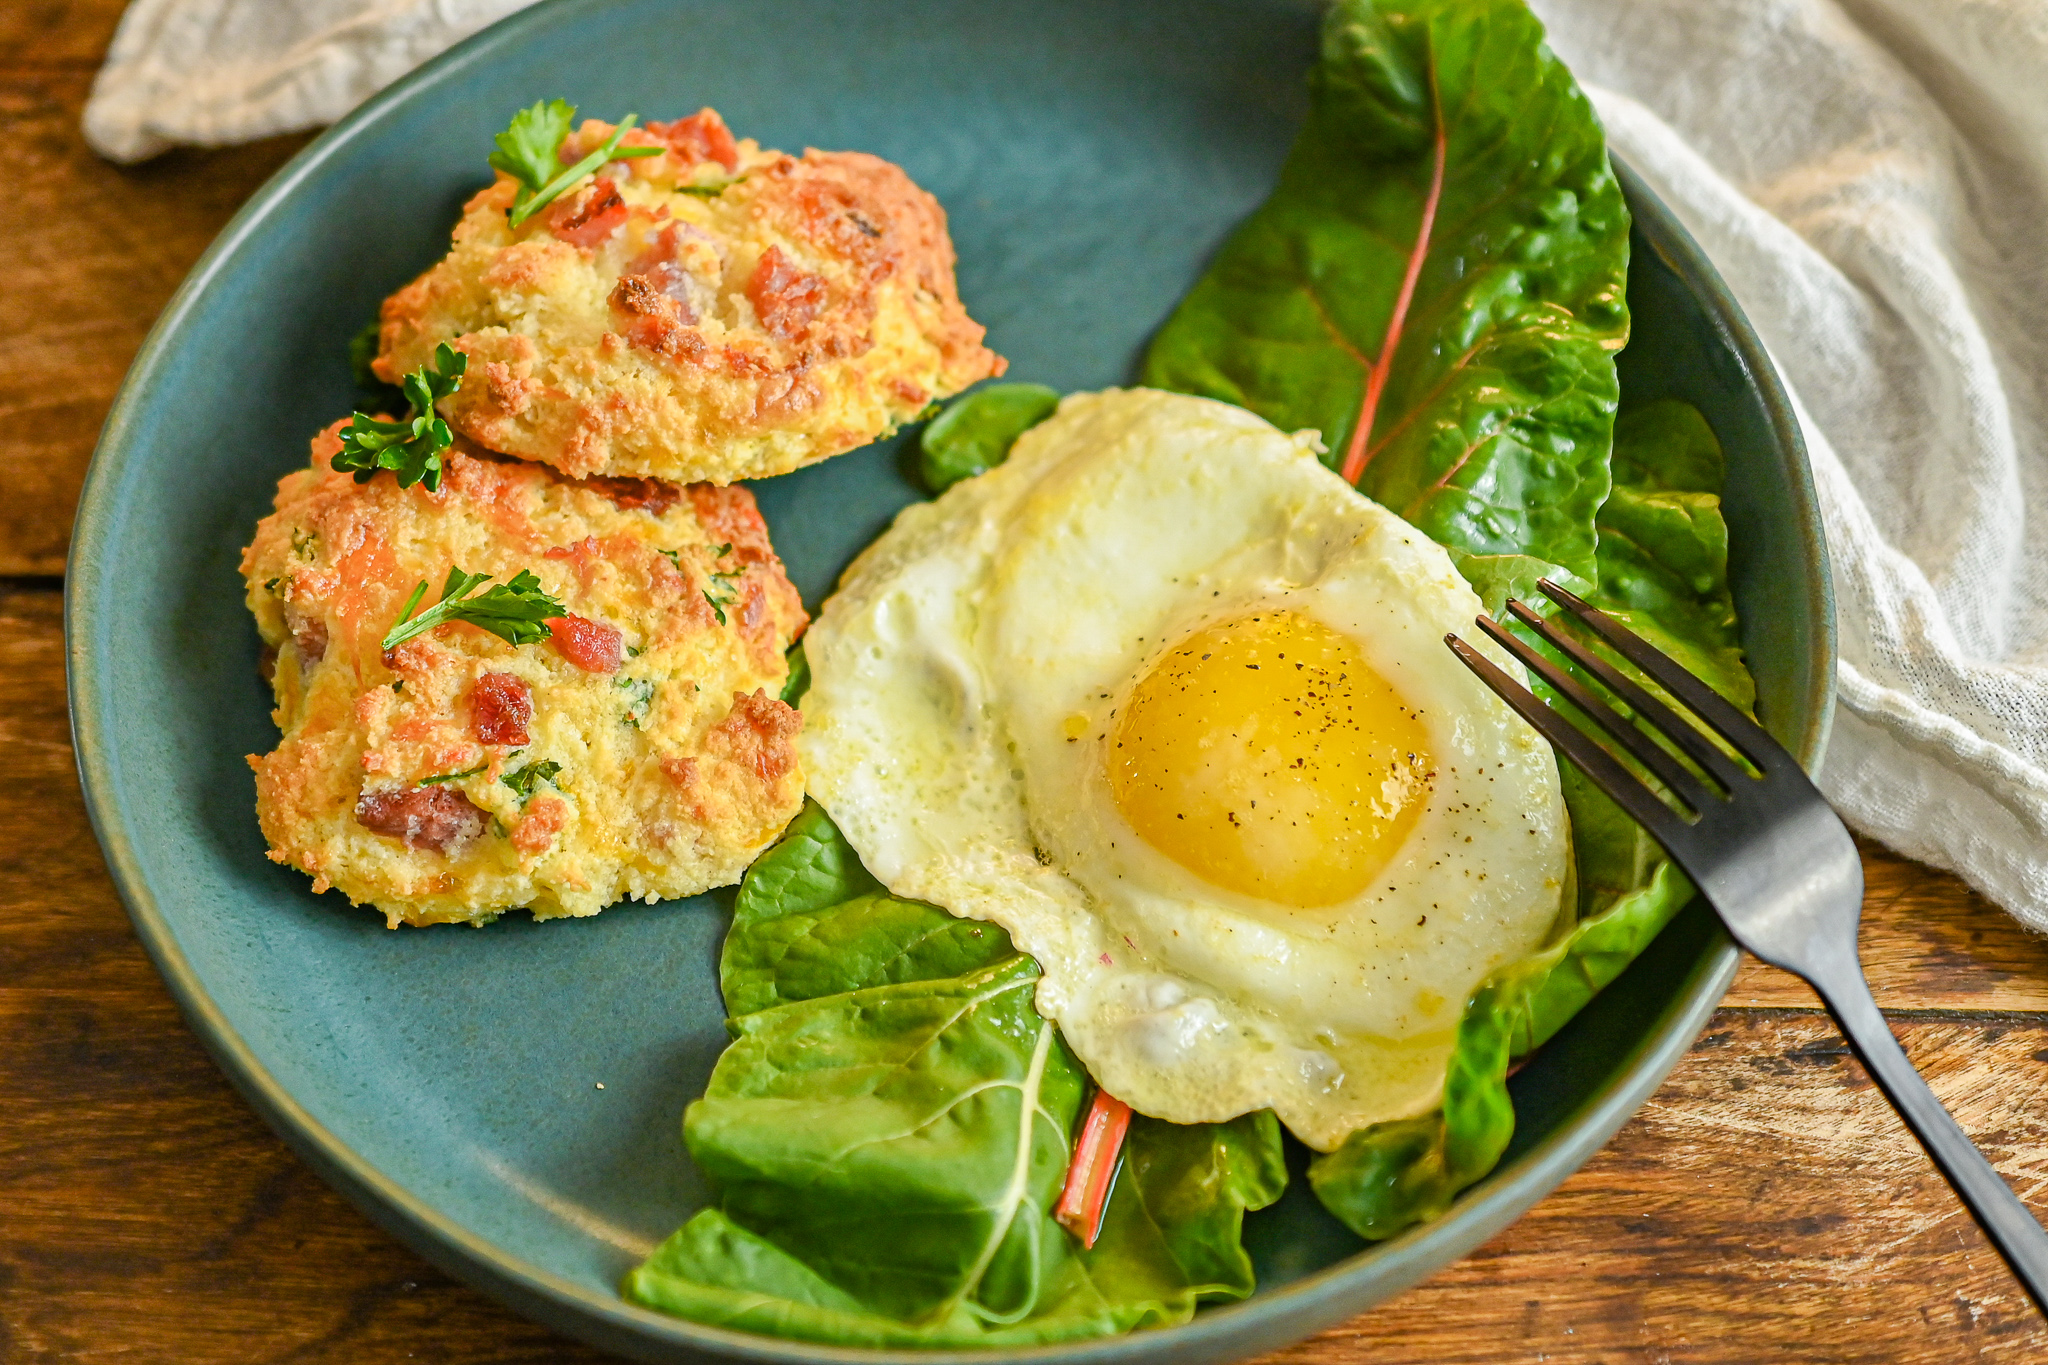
(1091, 157)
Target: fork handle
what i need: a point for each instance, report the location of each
(2006, 1221)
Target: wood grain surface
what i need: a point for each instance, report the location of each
(1765, 1206)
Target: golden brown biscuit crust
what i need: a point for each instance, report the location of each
(675, 763)
(713, 313)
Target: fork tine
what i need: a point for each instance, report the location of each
(1603, 768)
(1739, 730)
(1675, 775)
(1654, 712)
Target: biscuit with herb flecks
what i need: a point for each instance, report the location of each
(600, 719)
(710, 311)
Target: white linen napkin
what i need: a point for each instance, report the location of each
(1871, 177)
(212, 72)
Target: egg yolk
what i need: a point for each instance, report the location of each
(1267, 757)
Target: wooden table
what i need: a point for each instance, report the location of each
(1765, 1206)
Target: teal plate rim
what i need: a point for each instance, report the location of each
(1268, 1320)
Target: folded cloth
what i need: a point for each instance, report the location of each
(218, 71)
(1871, 177)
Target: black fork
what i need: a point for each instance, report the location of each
(1766, 852)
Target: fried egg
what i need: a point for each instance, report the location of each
(1168, 700)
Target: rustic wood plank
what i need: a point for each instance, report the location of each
(145, 1211)
(91, 253)
(1764, 1206)
(52, 33)
(1929, 942)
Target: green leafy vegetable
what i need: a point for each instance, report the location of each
(810, 922)
(976, 432)
(362, 350)
(1663, 568)
(515, 612)
(799, 680)
(453, 777)
(1436, 285)
(527, 151)
(411, 449)
(525, 779)
(890, 1130)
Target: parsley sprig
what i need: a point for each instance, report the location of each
(516, 612)
(527, 152)
(525, 779)
(410, 449)
(722, 594)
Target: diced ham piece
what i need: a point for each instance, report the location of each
(759, 734)
(542, 822)
(592, 646)
(702, 136)
(500, 705)
(729, 515)
(653, 496)
(589, 216)
(784, 297)
(435, 818)
(309, 635)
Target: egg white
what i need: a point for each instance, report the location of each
(960, 646)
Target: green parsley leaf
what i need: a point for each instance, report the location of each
(711, 191)
(525, 779)
(725, 597)
(410, 449)
(516, 612)
(722, 594)
(453, 777)
(528, 152)
(526, 149)
(639, 700)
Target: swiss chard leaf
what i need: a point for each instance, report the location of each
(1445, 258)
(798, 680)
(907, 1142)
(1663, 568)
(882, 1180)
(974, 434)
(810, 869)
(867, 941)
(362, 355)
